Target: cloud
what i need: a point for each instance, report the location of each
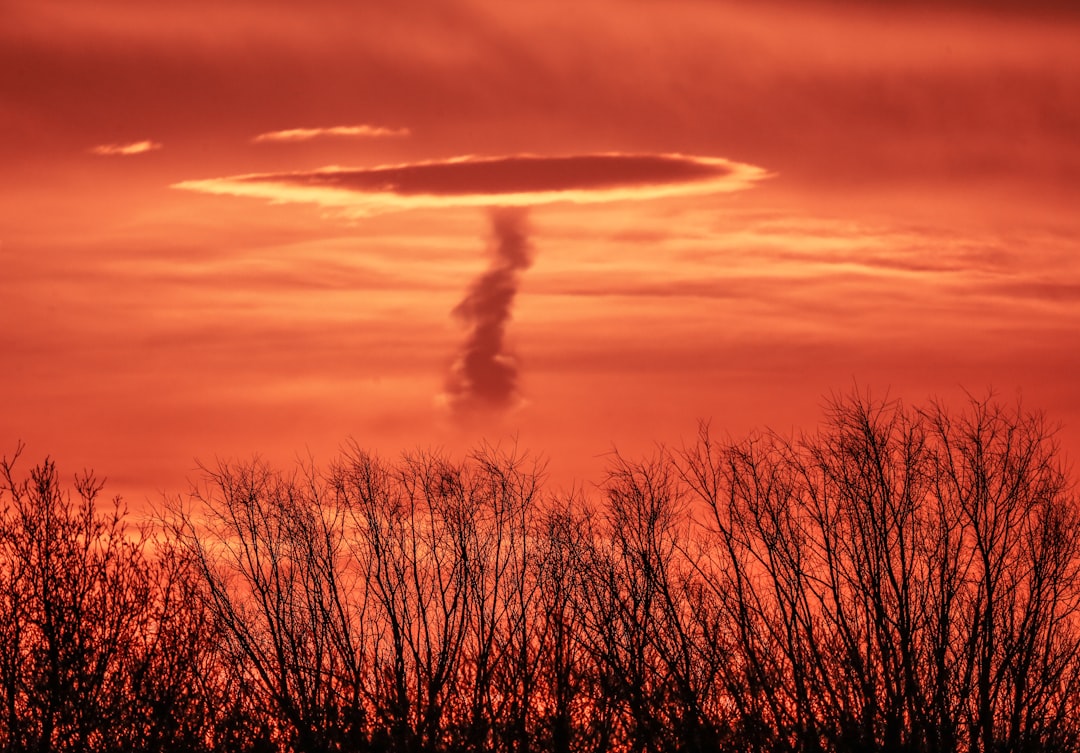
(306, 134)
(516, 180)
(485, 374)
(125, 150)
(484, 377)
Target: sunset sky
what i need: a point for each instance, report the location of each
(892, 203)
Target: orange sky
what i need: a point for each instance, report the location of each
(917, 234)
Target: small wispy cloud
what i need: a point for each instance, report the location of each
(125, 150)
(355, 131)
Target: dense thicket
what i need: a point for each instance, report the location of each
(901, 580)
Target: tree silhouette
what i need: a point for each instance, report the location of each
(103, 646)
(902, 579)
(268, 548)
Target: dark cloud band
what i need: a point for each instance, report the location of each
(504, 175)
(512, 180)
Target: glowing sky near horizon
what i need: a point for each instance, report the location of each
(917, 233)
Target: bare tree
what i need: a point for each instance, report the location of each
(500, 651)
(445, 550)
(104, 642)
(568, 708)
(903, 580)
(642, 602)
(899, 580)
(411, 526)
(271, 552)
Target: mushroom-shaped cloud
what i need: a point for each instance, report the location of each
(484, 375)
(519, 180)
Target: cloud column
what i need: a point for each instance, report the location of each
(485, 375)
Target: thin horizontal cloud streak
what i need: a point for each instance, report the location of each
(353, 131)
(519, 180)
(281, 279)
(1064, 294)
(126, 150)
(842, 280)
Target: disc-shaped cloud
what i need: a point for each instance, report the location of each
(519, 180)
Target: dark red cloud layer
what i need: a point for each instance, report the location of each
(515, 180)
(513, 174)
